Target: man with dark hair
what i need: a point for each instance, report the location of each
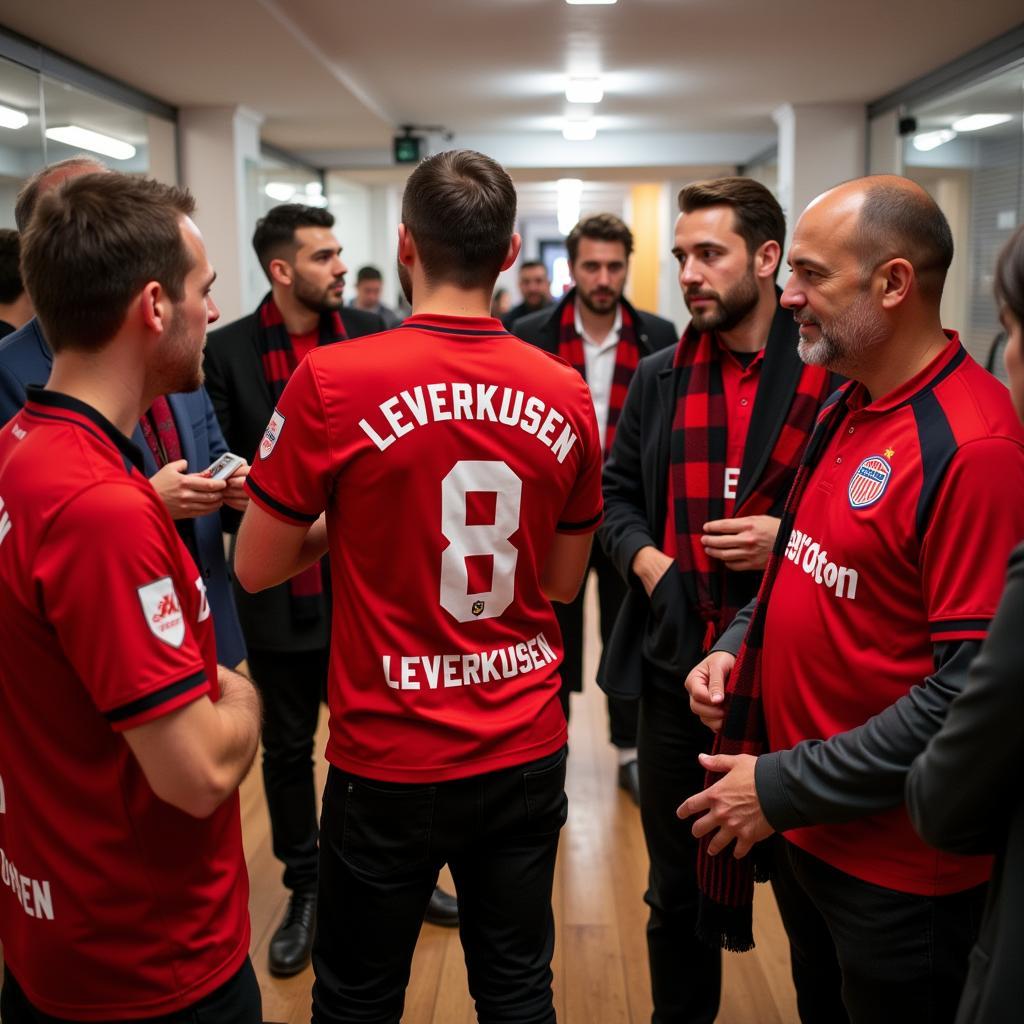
(460, 474)
(287, 628)
(874, 604)
(535, 290)
(707, 446)
(599, 333)
(119, 793)
(179, 437)
(15, 303)
(369, 283)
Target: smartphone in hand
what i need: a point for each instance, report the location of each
(224, 466)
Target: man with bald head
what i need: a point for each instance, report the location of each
(888, 569)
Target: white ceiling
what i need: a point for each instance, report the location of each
(334, 77)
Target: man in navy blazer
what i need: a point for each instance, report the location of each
(25, 359)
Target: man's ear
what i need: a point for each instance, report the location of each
(515, 246)
(406, 247)
(897, 280)
(281, 272)
(154, 306)
(766, 260)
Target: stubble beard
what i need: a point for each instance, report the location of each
(730, 309)
(841, 349)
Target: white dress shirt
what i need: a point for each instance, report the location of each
(599, 359)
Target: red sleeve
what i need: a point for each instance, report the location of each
(976, 522)
(584, 507)
(105, 575)
(290, 475)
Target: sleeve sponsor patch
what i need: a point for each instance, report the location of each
(271, 434)
(162, 611)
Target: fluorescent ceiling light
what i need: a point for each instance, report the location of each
(976, 122)
(83, 138)
(584, 90)
(579, 131)
(570, 190)
(932, 140)
(11, 118)
(282, 191)
(590, 3)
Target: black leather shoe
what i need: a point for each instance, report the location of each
(292, 943)
(443, 909)
(629, 780)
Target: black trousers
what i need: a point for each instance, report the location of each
(686, 975)
(382, 846)
(292, 686)
(869, 955)
(611, 591)
(237, 1001)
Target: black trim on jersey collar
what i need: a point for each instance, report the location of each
(303, 517)
(155, 699)
(953, 363)
(469, 332)
(58, 400)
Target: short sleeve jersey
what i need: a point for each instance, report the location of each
(114, 904)
(899, 544)
(447, 454)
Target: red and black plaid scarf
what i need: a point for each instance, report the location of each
(627, 355)
(697, 451)
(279, 363)
(726, 884)
(161, 432)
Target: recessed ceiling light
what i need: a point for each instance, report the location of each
(932, 140)
(976, 122)
(282, 191)
(11, 118)
(579, 131)
(584, 90)
(83, 138)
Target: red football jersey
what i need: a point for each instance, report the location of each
(899, 543)
(114, 904)
(447, 454)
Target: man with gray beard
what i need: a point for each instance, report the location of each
(876, 599)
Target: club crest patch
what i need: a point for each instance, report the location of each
(869, 481)
(162, 611)
(271, 434)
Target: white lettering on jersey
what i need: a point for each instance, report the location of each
(5, 522)
(429, 672)
(204, 603)
(809, 555)
(271, 434)
(162, 611)
(3, 797)
(33, 896)
(489, 403)
(732, 479)
(19, 434)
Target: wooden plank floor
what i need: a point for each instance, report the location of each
(600, 963)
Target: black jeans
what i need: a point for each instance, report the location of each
(611, 591)
(382, 846)
(237, 1001)
(870, 955)
(686, 975)
(292, 686)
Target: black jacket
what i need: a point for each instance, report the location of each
(964, 795)
(243, 402)
(542, 328)
(665, 629)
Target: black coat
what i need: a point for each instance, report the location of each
(964, 796)
(243, 402)
(542, 328)
(665, 628)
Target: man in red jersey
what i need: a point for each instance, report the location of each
(122, 741)
(460, 471)
(886, 574)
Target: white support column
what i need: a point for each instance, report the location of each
(820, 145)
(218, 147)
(885, 147)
